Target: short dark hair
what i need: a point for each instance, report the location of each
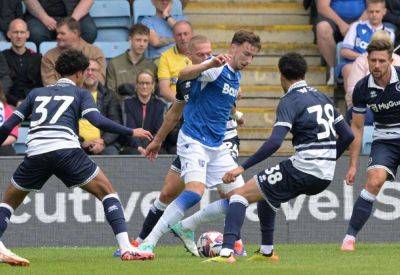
(380, 45)
(243, 36)
(139, 29)
(71, 23)
(70, 62)
(292, 66)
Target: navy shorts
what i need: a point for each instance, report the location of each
(385, 154)
(233, 145)
(72, 166)
(283, 182)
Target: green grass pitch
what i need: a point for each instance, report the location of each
(295, 259)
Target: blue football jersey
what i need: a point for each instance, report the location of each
(55, 111)
(210, 105)
(310, 115)
(383, 102)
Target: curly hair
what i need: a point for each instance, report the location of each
(292, 66)
(70, 62)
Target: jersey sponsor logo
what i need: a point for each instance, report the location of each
(384, 106)
(229, 90)
(361, 44)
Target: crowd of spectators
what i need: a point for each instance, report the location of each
(352, 23)
(134, 88)
(137, 86)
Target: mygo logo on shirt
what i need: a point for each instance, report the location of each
(229, 90)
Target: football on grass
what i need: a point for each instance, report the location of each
(210, 243)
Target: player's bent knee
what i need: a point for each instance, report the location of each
(324, 30)
(196, 187)
(100, 186)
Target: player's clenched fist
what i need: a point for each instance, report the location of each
(231, 175)
(141, 133)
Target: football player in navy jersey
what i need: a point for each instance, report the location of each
(54, 149)
(199, 51)
(314, 123)
(380, 90)
(203, 155)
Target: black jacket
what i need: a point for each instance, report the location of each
(4, 74)
(9, 10)
(108, 105)
(20, 89)
(133, 117)
(393, 12)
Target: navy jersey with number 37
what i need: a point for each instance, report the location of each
(54, 112)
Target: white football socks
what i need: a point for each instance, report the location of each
(172, 214)
(212, 212)
(123, 242)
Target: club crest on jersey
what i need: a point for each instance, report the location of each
(229, 90)
(398, 86)
(373, 93)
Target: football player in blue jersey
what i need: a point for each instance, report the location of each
(204, 158)
(199, 51)
(380, 91)
(314, 123)
(54, 149)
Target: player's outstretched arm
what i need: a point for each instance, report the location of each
(346, 137)
(170, 120)
(107, 125)
(7, 127)
(270, 146)
(193, 71)
(357, 126)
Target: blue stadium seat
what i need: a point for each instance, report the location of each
(367, 140)
(113, 20)
(19, 145)
(46, 46)
(112, 49)
(143, 8)
(6, 45)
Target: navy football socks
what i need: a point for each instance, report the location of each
(114, 213)
(267, 222)
(361, 211)
(5, 215)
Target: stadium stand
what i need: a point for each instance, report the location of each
(112, 19)
(46, 46)
(19, 145)
(6, 45)
(112, 49)
(367, 140)
(283, 27)
(142, 8)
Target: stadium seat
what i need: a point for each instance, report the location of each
(113, 20)
(19, 145)
(112, 49)
(46, 46)
(6, 45)
(367, 140)
(143, 8)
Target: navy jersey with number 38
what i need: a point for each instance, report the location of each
(55, 111)
(310, 115)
